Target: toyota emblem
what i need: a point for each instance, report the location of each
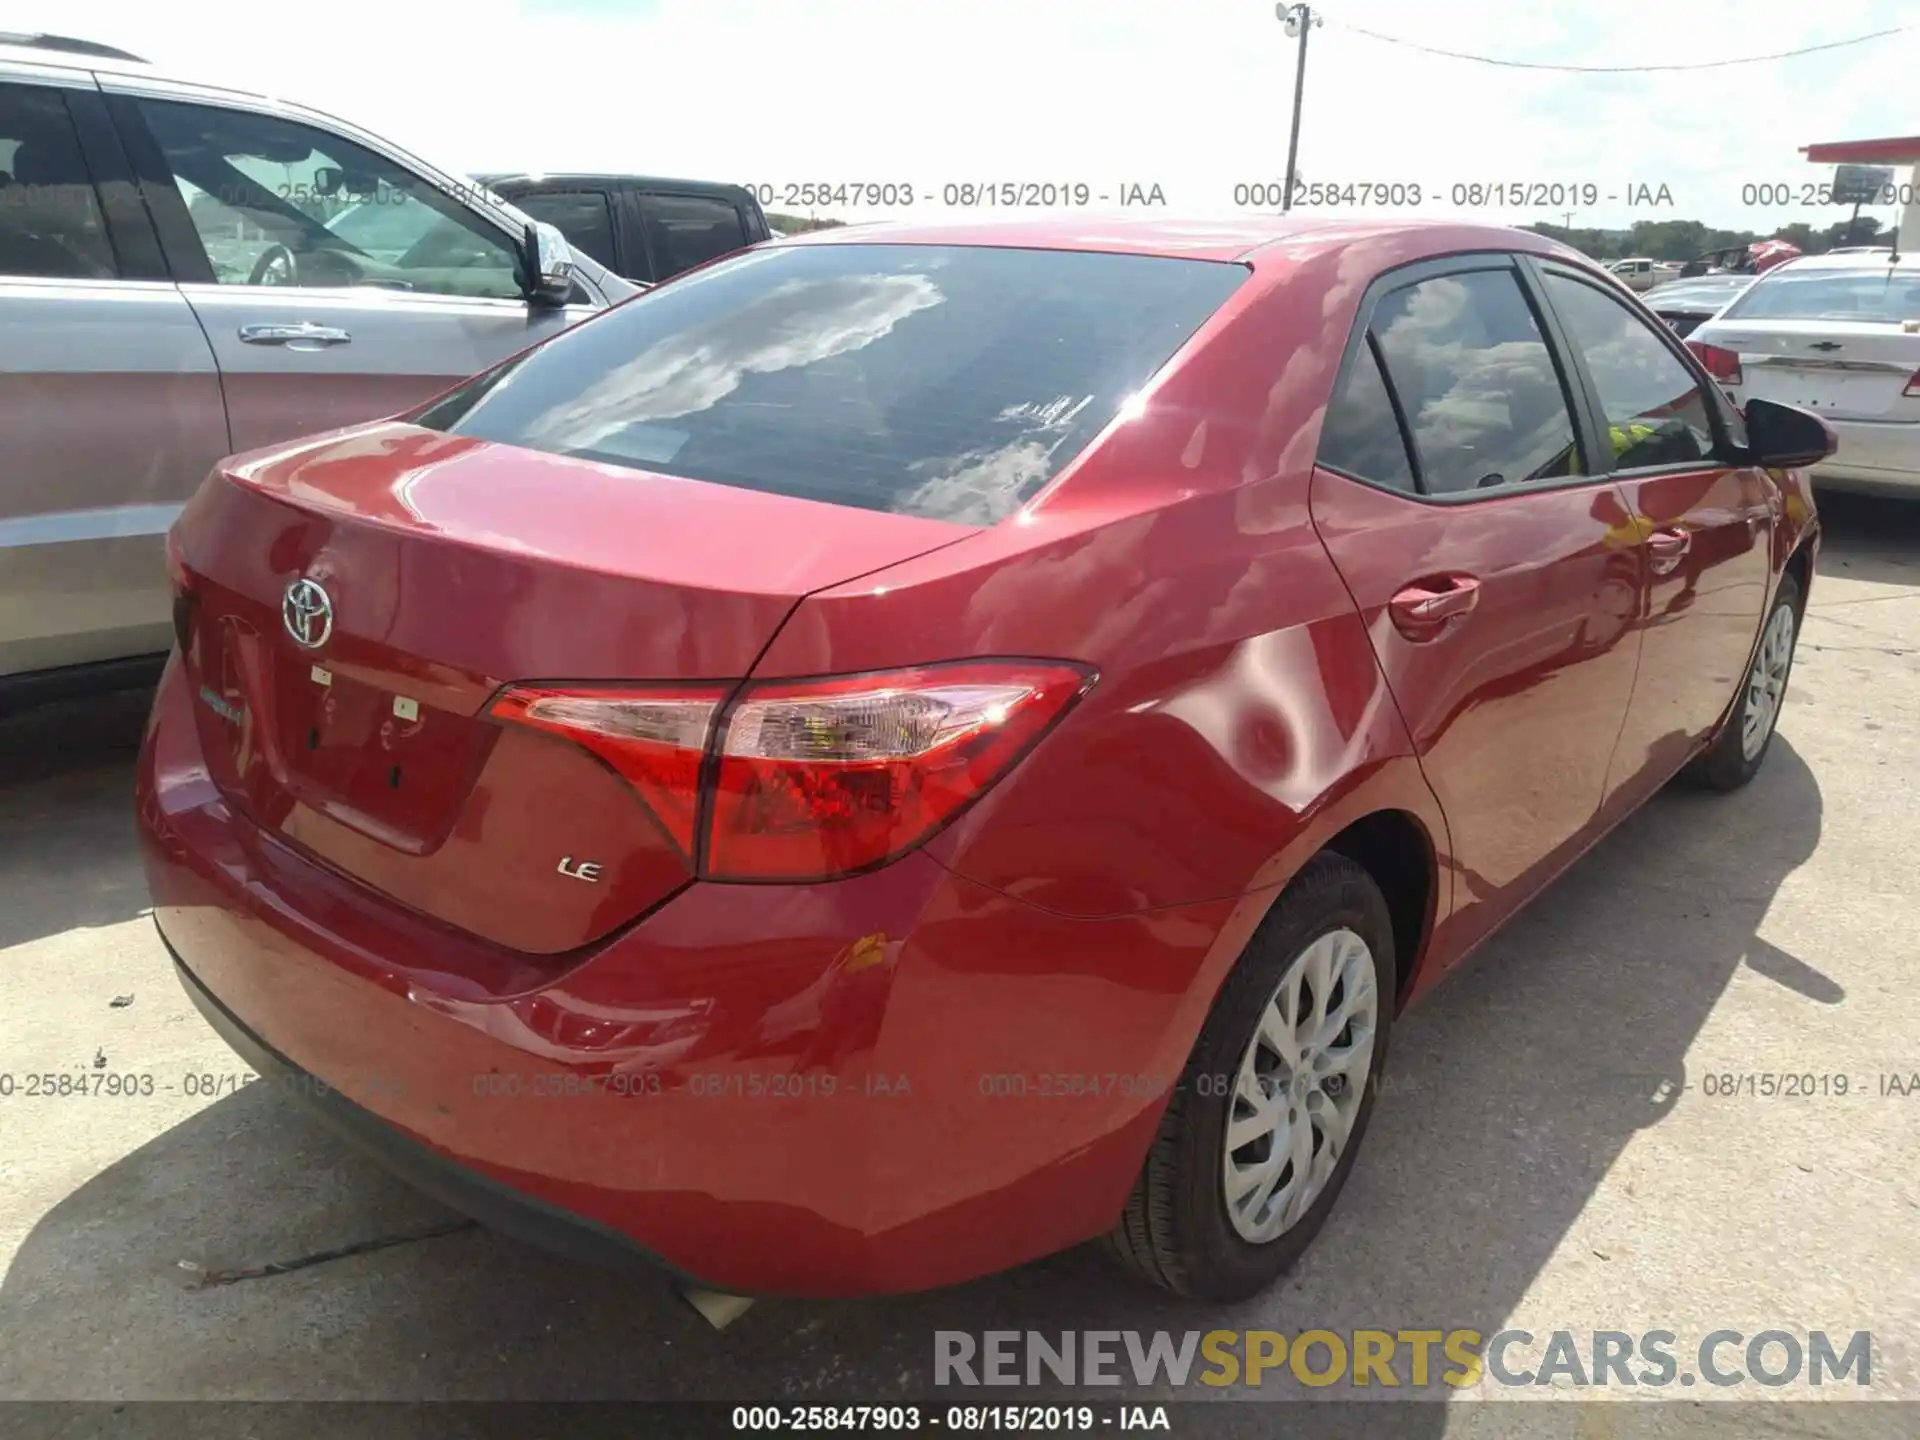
(307, 612)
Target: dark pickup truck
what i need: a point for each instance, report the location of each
(639, 226)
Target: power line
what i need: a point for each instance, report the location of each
(1620, 69)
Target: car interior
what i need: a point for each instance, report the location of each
(50, 224)
(277, 239)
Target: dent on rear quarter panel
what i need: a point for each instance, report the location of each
(1239, 701)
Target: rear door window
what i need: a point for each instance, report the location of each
(950, 382)
(1361, 436)
(582, 216)
(1479, 388)
(689, 230)
(51, 226)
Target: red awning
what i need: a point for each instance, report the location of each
(1864, 152)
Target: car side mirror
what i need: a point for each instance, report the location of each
(546, 266)
(1784, 437)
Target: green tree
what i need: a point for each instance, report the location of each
(1669, 239)
(1686, 239)
(799, 224)
(1596, 244)
(1867, 231)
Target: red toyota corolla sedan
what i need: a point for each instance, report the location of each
(905, 750)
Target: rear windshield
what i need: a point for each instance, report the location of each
(949, 382)
(1881, 293)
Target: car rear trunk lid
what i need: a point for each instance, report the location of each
(1843, 371)
(424, 572)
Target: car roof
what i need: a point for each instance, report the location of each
(52, 54)
(87, 64)
(1683, 296)
(67, 49)
(1702, 282)
(497, 178)
(1170, 236)
(1803, 263)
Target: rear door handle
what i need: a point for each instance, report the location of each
(304, 332)
(1668, 548)
(1422, 610)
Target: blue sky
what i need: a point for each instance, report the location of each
(1191, 95)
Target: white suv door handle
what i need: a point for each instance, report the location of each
(303, 333)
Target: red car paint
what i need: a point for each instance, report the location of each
(1769, 253)
(835, 1087)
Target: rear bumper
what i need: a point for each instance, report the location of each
(887, 1083)
(497, 1206)
(1866, 480)
(1873, 456)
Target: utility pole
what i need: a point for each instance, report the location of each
(1298, 19)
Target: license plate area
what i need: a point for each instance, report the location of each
(1826, 389)
(370, 756)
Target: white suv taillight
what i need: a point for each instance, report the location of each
(812, 778)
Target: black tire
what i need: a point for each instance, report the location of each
(1175, 1230)
(1724, 765)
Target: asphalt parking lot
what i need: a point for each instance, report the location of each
(1549, 1155)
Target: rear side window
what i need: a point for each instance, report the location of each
(950, 382)
(581, 216)
(689, 230)
(50, 221)
(1882, 293)
(1656, 413)
(1361, 436)
(1476, 382)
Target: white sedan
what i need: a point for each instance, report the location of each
(1838, 335)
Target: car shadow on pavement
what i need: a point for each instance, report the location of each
(1512, 1092)
(66, 815)
(1869, 537)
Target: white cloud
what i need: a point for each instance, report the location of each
(1194, 96)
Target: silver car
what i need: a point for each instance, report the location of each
(188, 271)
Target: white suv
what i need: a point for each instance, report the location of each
(175, 285)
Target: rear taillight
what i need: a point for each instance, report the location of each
(184, 599)
(812, 778)
(820, 778)
(176, 562)
(655, 741)
(1722, 365)
(1913, 386)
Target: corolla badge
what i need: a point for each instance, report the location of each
(307, 612)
